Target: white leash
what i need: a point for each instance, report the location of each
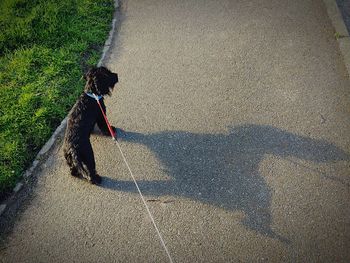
(132, 175)
(144, 202)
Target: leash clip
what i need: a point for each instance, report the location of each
(95, 96)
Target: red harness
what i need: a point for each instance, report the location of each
(113, 134)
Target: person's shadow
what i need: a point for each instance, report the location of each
(223, 169)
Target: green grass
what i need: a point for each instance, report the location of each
(45, 45)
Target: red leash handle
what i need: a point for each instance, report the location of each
(105, 117)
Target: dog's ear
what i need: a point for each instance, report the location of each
(90, 78)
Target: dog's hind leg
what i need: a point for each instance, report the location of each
(80, 169)
(69, 156)
(88, 159)
(75, 163)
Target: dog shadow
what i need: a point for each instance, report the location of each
(223, 169)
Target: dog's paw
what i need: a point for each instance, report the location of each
(96, 179)
(74, 172)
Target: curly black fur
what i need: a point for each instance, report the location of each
(81, 121)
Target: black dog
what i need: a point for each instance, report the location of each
(81, 121)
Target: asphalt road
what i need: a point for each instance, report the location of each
(237, 116)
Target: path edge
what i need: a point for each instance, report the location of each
(341, 33)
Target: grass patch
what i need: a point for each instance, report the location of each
(45, 45)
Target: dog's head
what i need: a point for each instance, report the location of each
(100, 81)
